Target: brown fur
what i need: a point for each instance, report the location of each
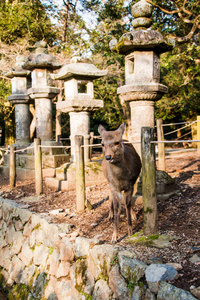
(121, 166)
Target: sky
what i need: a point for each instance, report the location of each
(88, 17)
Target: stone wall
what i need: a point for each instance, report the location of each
(41, 260)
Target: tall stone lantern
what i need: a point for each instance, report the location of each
(21, 81)
(142, 48)
(42, 90)
(79, 99)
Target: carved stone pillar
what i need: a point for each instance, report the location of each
(142, 88)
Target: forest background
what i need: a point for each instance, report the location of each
(85, 28)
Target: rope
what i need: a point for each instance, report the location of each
(93, 145)
(99, 145)
(2, 149)
(181, 123)
(176, 141)
(179, 129)
(43, 146)
(21, 150)
(185, 134)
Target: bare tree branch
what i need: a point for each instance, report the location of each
(175, 11)
(4, 77)
(181, 10)
(191, 33)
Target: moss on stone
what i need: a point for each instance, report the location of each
(36, 227)
(2, 280)
(18, 291)
(148, 210)
(114, 260)
(80, 270)
(51, 249)
(94, 166)
(88, 297)
(140, 239)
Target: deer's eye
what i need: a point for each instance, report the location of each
(116, 143)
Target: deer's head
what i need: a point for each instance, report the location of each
(112, 145)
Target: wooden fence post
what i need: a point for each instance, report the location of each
(38, 166)
(80, 173)
(198, 133)
(12, 175)
(161, 146)
(149, 181)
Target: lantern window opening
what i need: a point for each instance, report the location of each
(82, 87)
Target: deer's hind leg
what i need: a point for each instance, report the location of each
(128, 205)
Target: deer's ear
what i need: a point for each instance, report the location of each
(101, 129)
(122, 128)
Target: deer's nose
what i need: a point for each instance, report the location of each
(108, 157)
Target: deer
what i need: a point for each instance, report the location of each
(121, 166)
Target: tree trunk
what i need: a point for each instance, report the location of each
(33, 122)
(65, 21)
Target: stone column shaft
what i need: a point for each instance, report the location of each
(43, 110)
(142, 115)
(79, 125)
(22, 121)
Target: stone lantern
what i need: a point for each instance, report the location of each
(21, 80)
(79, 99)
(142, 48)
(42, 91)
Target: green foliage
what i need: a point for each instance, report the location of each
(7, 118)
(64, 27)
(180, 72)
(24, 19)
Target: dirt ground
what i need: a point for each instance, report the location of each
(179, 215)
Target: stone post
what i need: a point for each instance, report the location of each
(79, 99)
(42, 65)
(142, 88)
(80, 124)
(21, 80)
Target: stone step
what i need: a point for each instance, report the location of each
(22, 173)
(65, 178)
(60, 185)
(48, 161)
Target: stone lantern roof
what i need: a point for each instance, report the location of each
(41, 58)
(17, 70)
(21, 79)
(141, 38)
(79, 69)
(78, 79)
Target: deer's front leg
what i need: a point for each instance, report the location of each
(128, 205)
(111, 211)
(116, 200)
